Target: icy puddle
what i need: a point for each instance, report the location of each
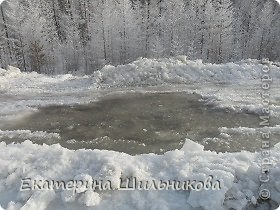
(138, 123)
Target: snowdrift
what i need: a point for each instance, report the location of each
(142, 72)
(238, 172)
(179, 70)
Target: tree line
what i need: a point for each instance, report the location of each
(60, 36)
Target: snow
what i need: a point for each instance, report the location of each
(142, 72)
(90, 198)
(27, 134)
(274, 130)
(233, 86)
(40, 90)
(179, 70)
(239, 172)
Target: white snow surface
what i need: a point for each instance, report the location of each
(233, 86)
(225, 84)
(238, 172)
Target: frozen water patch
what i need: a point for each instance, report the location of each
(135, 123)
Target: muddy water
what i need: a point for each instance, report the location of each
(138, 123)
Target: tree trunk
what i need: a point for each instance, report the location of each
(6, 33)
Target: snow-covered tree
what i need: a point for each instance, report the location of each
(59, 36)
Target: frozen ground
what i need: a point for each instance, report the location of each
(233, 86)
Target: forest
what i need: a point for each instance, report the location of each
(67, 36)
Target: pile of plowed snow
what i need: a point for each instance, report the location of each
(141, 72)
(238, 173)
(179, 70)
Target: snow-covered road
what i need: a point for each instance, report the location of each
(233, 86)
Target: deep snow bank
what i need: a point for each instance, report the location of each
(239, 174)
(177, 70)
